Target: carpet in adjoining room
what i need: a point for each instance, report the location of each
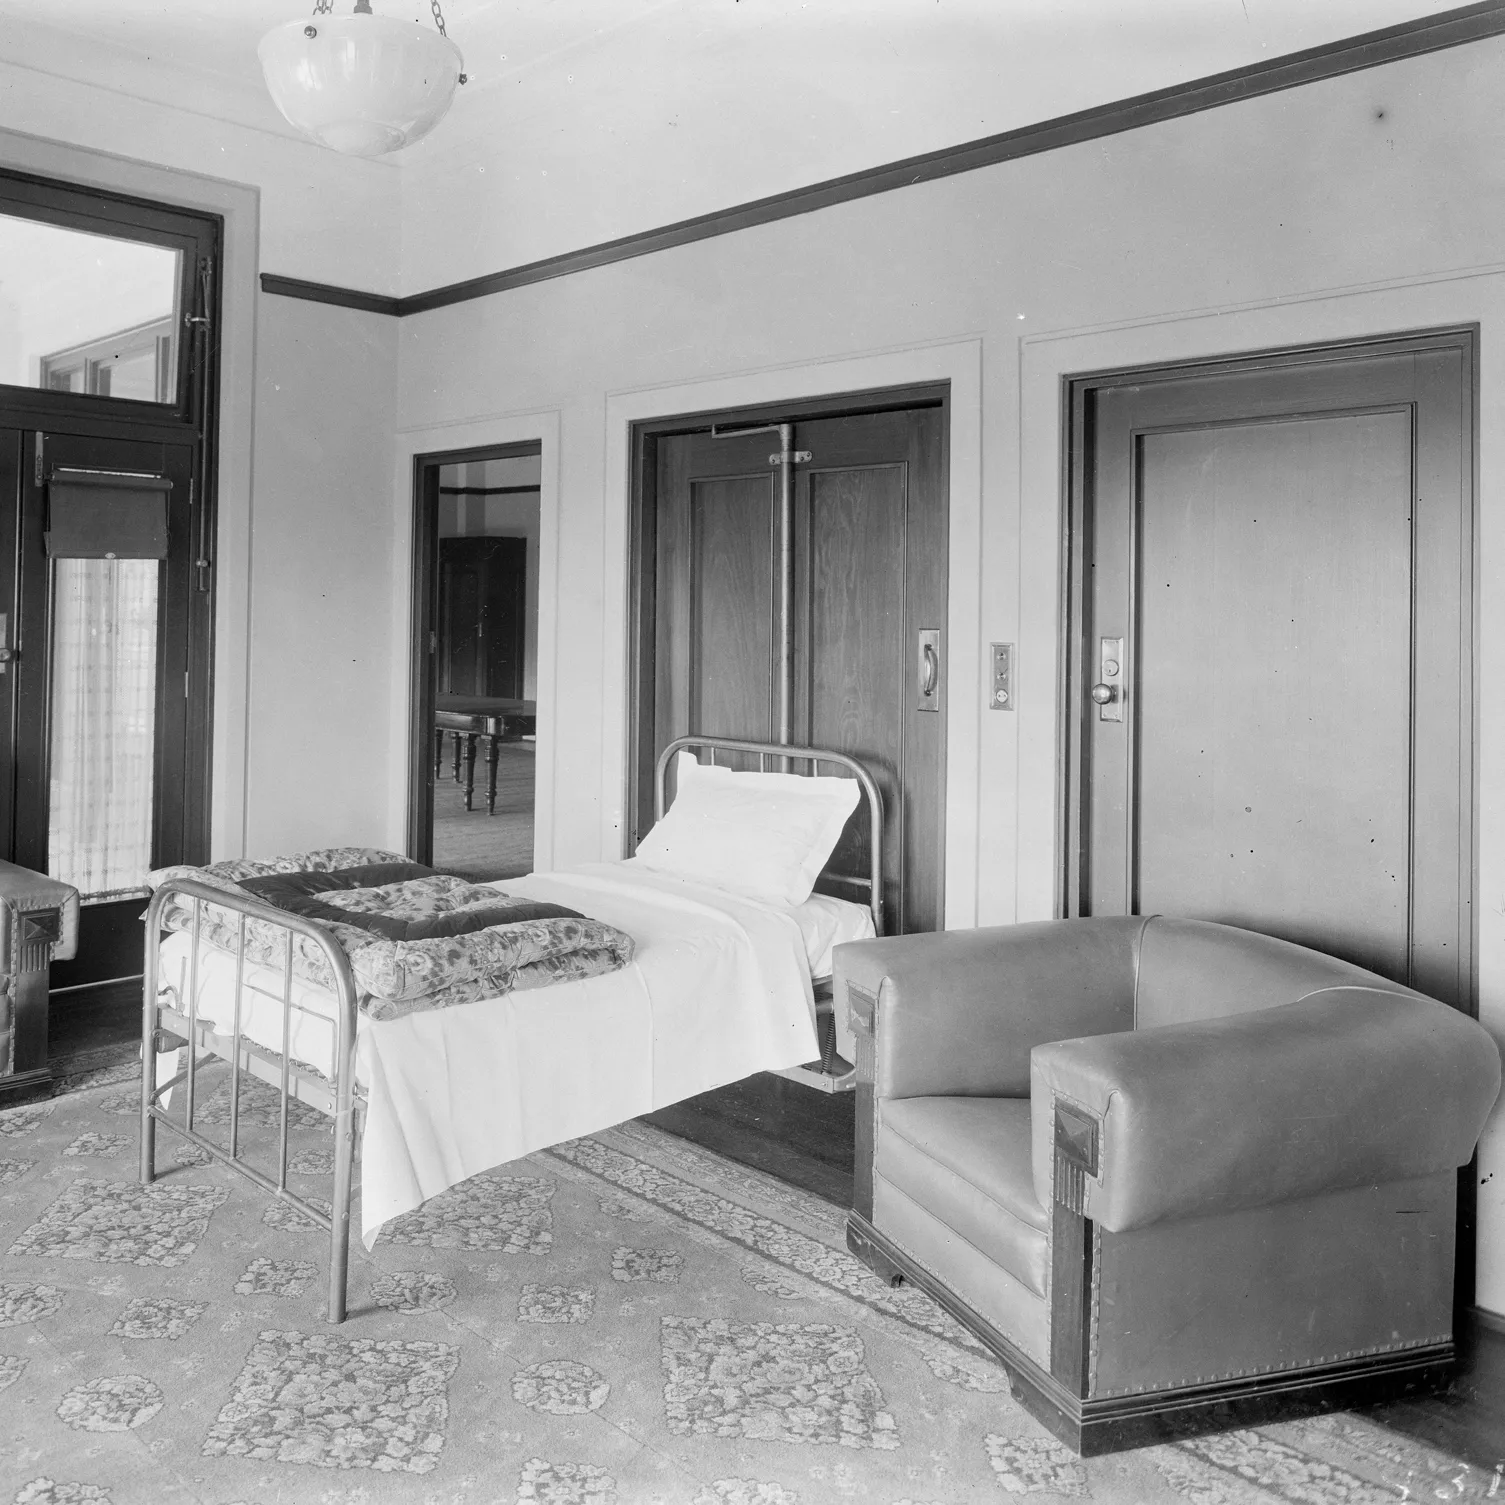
(625, 1318)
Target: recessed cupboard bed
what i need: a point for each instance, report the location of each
(453, 1027)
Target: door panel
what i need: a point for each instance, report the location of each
(504, 617)
(867, 572)
(857, 643)
(1274, 561)
(730, 579)
(1294, 748)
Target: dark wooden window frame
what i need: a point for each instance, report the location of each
(191, 418)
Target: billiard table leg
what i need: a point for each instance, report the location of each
(491, 761)
(470, 769)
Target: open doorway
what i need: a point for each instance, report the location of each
(476, 661)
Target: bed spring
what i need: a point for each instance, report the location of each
(164, 1025)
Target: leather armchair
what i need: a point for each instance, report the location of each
(38, 925)
(1175, 1174)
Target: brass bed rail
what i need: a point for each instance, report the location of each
(334, 1096)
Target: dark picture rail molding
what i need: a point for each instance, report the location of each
(1454, 28)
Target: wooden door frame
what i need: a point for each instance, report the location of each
(422, 655)
(644, 435)
(1076, 469)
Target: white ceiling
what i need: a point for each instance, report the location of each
(649, 111)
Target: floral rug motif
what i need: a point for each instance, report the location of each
(623, 1320)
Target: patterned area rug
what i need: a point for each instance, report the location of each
(624, 1318)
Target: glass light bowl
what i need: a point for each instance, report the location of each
(361, 84)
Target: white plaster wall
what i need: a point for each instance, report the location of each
(303, 640)
(1365, 204)
(324, 217)
(318, 767)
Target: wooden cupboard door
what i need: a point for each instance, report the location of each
(868, 573)
(1285, 555)
(482, 615)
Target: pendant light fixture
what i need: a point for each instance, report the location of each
(362, 84)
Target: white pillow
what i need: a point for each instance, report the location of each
(766, 835)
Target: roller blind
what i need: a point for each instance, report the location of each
(98, 515)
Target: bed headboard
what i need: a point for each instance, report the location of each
(783, 758)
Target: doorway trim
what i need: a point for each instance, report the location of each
(463, 439)
(957, 363)
(421, 685)
(1076, 504)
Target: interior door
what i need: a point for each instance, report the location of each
(93, 693)
(867, 583)
(1272, 653)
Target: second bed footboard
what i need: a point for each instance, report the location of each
(165, 1025)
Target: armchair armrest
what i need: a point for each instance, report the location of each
(1349, 1086)
(957, 1013)
(54, 906)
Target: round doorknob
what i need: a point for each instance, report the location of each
(1104, 694)
(7, 655)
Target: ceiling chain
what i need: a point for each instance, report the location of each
(326, 8)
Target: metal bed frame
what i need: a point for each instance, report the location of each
(176, 1025)
(165, 1026)
(831, 1073)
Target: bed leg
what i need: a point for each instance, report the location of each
(148, 1083)
(339, 1243)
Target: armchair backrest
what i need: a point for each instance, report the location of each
(1192, 969)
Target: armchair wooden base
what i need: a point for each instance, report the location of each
(1092, 1427)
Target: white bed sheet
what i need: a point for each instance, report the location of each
(719, 988)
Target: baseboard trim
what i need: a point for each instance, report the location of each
(1482, 1317)
(22, 1080)
(1105, 1426)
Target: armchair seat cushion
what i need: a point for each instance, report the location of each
(966, 1160)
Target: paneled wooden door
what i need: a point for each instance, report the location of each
(868, 542)
(1272, 661)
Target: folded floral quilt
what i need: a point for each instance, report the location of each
(416, 939)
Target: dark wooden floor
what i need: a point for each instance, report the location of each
(805, 1137)
(774, 1125)
(474, 844)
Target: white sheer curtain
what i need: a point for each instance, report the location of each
(104, 712)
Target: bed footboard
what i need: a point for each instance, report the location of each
(177, 1024)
